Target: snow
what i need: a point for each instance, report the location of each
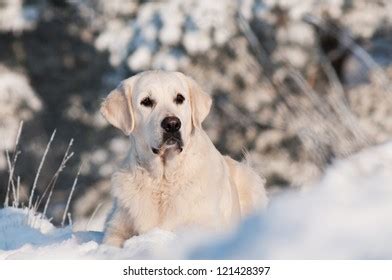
(18, 101)
(16, 17)
(193, 26)
(346, 215)
(170, 35)
(197, 26)
(27, 227)
(197, 41)
(140, 59)
(117, 46)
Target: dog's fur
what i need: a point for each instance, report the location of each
(173, 184)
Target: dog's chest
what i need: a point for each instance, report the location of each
(157, 204)
(168, 205)
(163, 196)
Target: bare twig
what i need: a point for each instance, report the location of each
(39, 169)
(260, 52)
(11, 167)
(340, 101)
(325, 114)
(11, 176)
(70, 196)
(69, 219)
(360, 53)
(53, 181)
(93, 215)
(16, 202)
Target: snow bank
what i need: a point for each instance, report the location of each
(347, 215)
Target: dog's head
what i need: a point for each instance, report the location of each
(159, 109)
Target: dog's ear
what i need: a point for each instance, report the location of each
(200, 102)
(117, 107)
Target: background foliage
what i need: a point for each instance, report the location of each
(295, 83)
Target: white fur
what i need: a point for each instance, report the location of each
(197, 186)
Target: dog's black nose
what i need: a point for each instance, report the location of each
(171, 124)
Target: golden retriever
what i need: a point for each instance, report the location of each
(173, 176)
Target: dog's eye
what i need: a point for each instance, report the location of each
(147, 102)
(179, 99)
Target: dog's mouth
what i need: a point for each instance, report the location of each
(170, 142)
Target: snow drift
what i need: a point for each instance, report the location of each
(346, 215)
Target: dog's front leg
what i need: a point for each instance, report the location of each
(118, 228)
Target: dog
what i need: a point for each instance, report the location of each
(173, 176)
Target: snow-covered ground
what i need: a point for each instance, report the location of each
(346, 215)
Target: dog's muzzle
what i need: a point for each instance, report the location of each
(170, 141)
(171, 138)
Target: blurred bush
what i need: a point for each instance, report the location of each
(295, 83)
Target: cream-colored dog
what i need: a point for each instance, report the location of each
(173, 176)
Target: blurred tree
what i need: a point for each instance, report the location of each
(296, 83)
